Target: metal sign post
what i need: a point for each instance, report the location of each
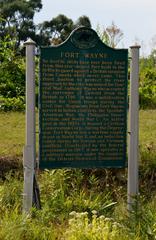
(29, 154)
(133, 188)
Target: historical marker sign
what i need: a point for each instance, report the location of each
(83, 103)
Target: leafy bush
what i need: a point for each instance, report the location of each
(12, 104)
(12, 76)
(147, 88)
(12, 70)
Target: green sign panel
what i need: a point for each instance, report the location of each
(83, 103)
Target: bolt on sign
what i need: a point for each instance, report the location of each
(83, 103)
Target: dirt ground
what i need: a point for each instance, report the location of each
(8, 164)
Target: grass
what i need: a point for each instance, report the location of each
(78, 204)
(12, 129)
(74, 210)
(147, 127)
(12, 125)
(12, 133)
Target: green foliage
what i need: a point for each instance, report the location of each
(111, 36)
(12, 63)
(147, 88)
(17, 226)
(12, 77)
(59, 28)
(12, 104)
(16, 24)
(10, 192)
(18, 18)
(60, 218)
(83, 21)
(12, 70)
(81, 227)
(17, 21)
(66, 191)
(148, 62)
(70, 197)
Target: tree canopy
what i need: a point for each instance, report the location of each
(58, 29)
(17, 21)
(17, 18)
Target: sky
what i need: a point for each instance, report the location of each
(136, 18)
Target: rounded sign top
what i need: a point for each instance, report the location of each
(84, 38)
